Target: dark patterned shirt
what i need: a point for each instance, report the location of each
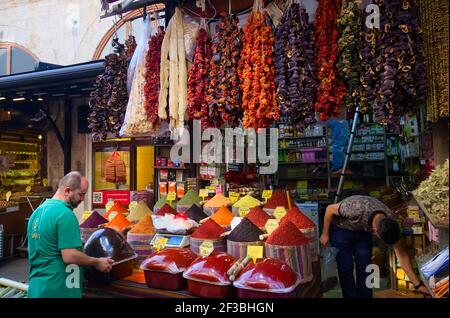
(356, 213)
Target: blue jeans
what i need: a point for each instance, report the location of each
(357, 247)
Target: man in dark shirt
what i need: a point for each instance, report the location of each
(349, 226)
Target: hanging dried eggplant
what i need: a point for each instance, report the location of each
(295, 67)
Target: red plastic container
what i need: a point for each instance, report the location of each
(164, 269)
(207, 276)
(269, 278)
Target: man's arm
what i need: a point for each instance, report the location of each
(332, 210)
(405, 263)
(73, 256)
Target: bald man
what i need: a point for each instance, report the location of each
(54, 243)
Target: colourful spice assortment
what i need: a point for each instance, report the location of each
(246, 231)
(139, 212)
(117, 207)
(287, 234)
(93, 221)
(217, 201)
(119, 222)
(209, 230)
(257, 216)
(191, 197)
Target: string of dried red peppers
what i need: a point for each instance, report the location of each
(151, 88)
(198, 80)
(224, 94)
(257, 72)
(331, 90)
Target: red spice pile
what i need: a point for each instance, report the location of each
(278, 198)
(257, 216)
(287, 234)
(300, 220)
(208, 230)
(166, 209)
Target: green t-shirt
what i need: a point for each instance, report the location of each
(51, 228)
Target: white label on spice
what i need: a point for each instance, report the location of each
(243, 211)
(255, 252)
(271, 225)
(206, 248)
(279, 212)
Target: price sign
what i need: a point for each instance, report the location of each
(203, 193)
(85, 215)
(266, 195)
(112, 215)
(160, 243)
(8, 195)
(171, 197)
(279, 212)
(254, 252)
(28, 189)
(109, 205)
(234, 196)
(206, 248)
(243, 211)
(45, 182)
(132, 205)
(271, 225)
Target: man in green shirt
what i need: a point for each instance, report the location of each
(54, 243)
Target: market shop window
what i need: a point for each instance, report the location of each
(15, 59)
(130, 24)
(106, 172)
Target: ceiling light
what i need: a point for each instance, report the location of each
(2, 98)
(40, 99)
(18, 99)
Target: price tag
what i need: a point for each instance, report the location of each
(234, 196)
(254, 252)
(112, 215)
(203, 193)
(271, 226)
(171, 197)
(132, 205)
(109, 205)
(85, 215)
(8, 195)
(160, 243)
(348, 184)
(266, 194)
(45, 182)
(206, 248)
(243, 211)
(279, 212)
(28, 189)
(302, 184)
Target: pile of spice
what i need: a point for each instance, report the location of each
(223, 216)
(93, 221)
(248, 201)
(166, 208)
(139, 212)
(191, 197)
(278, 198)
(246, 231)
(257, 216)
(144, 226)
(196, 213)
(163, 200)
(119, 222)
(297, 218)
(287, 234)
(215, 203)
(118, 208)
(209, 230)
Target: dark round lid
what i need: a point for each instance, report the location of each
(107, 242)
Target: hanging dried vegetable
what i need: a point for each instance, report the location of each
(257, 71)
(198, 80)
(295, 67)
(434, 22)
(173, 74)
(331, 90)
(130, 45)
(109, 99)
(349, 65)
(224, 93)
(152, 85)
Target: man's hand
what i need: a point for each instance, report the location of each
(423, 290)
(324, 239)
(104, 264)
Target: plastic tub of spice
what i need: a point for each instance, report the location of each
(210, 231)
(207, 276)
(243, 235)
(140, 236)
(289, 245)
(215, 203)
(269, 278)
(164, 269)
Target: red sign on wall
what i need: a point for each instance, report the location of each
(103, 196)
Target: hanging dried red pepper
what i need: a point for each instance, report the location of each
(257, 71)
(331, 91)
(198, 79)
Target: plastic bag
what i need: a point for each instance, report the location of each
(136, 122)
(211, 269)
(329, 267)
(191, 28)
(170, 260)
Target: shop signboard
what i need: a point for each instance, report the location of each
(101, 197)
